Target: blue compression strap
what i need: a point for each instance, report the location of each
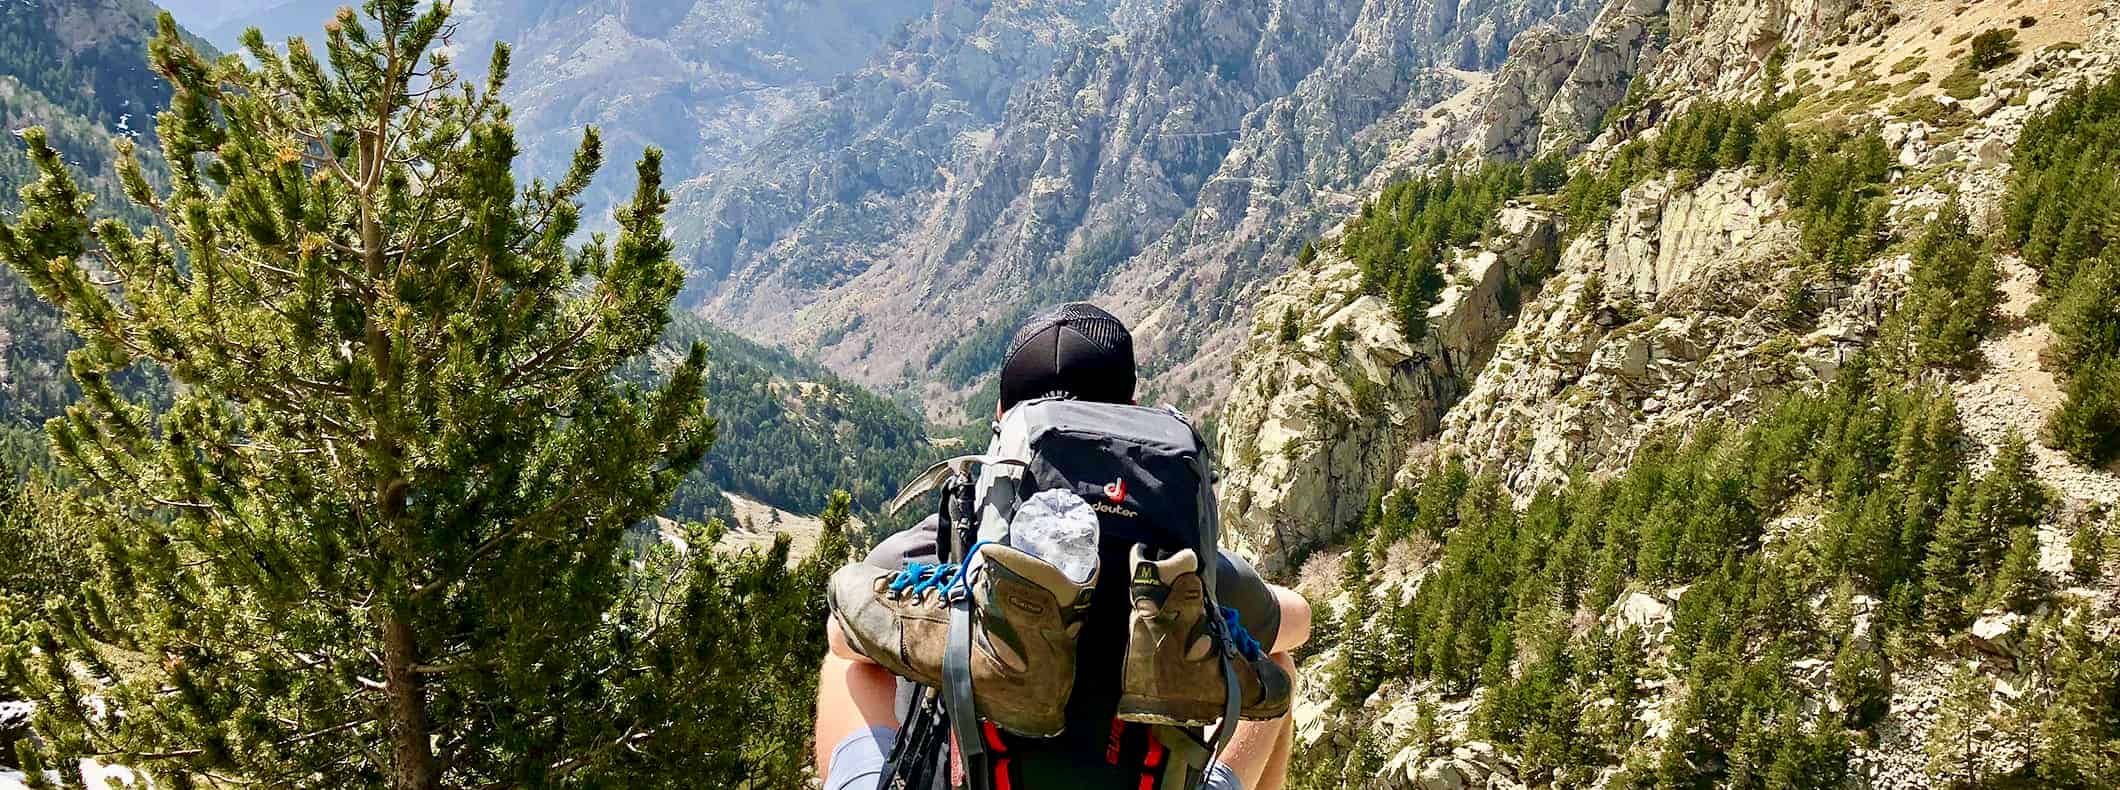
(1246, 645)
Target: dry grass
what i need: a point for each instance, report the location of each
(1905, 51)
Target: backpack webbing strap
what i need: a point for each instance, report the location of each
(1182, 764)
(1210, 560)
(916, 761)
(956, 691)
(957, 695)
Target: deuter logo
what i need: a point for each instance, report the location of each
(1115, 500)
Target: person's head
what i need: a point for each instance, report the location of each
(1073, 349)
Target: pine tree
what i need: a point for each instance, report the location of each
(1946, 569)
(44, 552)
(1859, 681)
(2019, 584)
(2087, 551)
(2079, 732)
(2087, 426)
(1954, 746)
(2010, 496)
(378, 538)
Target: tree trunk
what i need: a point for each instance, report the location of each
(414, 767)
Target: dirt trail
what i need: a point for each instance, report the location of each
(2017, 394)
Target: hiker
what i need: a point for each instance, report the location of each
(1096, 667)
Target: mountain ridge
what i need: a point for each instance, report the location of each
(1094, 163)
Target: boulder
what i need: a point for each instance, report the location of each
(1996, 633)
(1478, 759)
(1993, 152)
(1642, 611)
(1910, 156)
(1441, 774)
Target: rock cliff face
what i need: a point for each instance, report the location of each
(1164, 161)
(1663, 318)
(1659, 318)
(1334, 397)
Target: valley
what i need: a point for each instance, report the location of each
(1645, 393)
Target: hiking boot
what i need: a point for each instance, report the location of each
(1173, 664)
(1025, 617)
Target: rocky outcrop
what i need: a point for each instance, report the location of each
(1624, 40)
(1556, 89)
(1336, 400)
(1663, 318)
(1539, 63)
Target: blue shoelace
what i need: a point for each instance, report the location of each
(921, 577)
(1246, 645)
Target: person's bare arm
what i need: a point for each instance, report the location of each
(838, 642)
(1258, 750)
(853, 694)
(1295, 620)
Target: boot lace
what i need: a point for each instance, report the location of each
(917, 578)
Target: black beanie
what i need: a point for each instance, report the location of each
(1073, 349)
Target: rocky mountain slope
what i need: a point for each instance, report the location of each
(1693, 300)
(1161, 160)
(704, 80)
(80, 71)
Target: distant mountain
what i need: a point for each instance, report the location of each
(223, 21)
(78, 69)
(702, 79)
(1164, 158)
(213, 18)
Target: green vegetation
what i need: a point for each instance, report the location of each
(1889, 516)
(2057, 212)
(88, 65)
(794, 431)
(379, 535)
(1951, 298)
(1990, 50)
(804, 431)
(980, 350)
(52, 76)
(1401, 238)
(1837, 189)
(1836, 182)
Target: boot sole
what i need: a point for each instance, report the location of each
(1147, 710)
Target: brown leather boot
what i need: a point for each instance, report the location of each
(1025, 617)
(1173, 670)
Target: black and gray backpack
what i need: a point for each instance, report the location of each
(1146, 473)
